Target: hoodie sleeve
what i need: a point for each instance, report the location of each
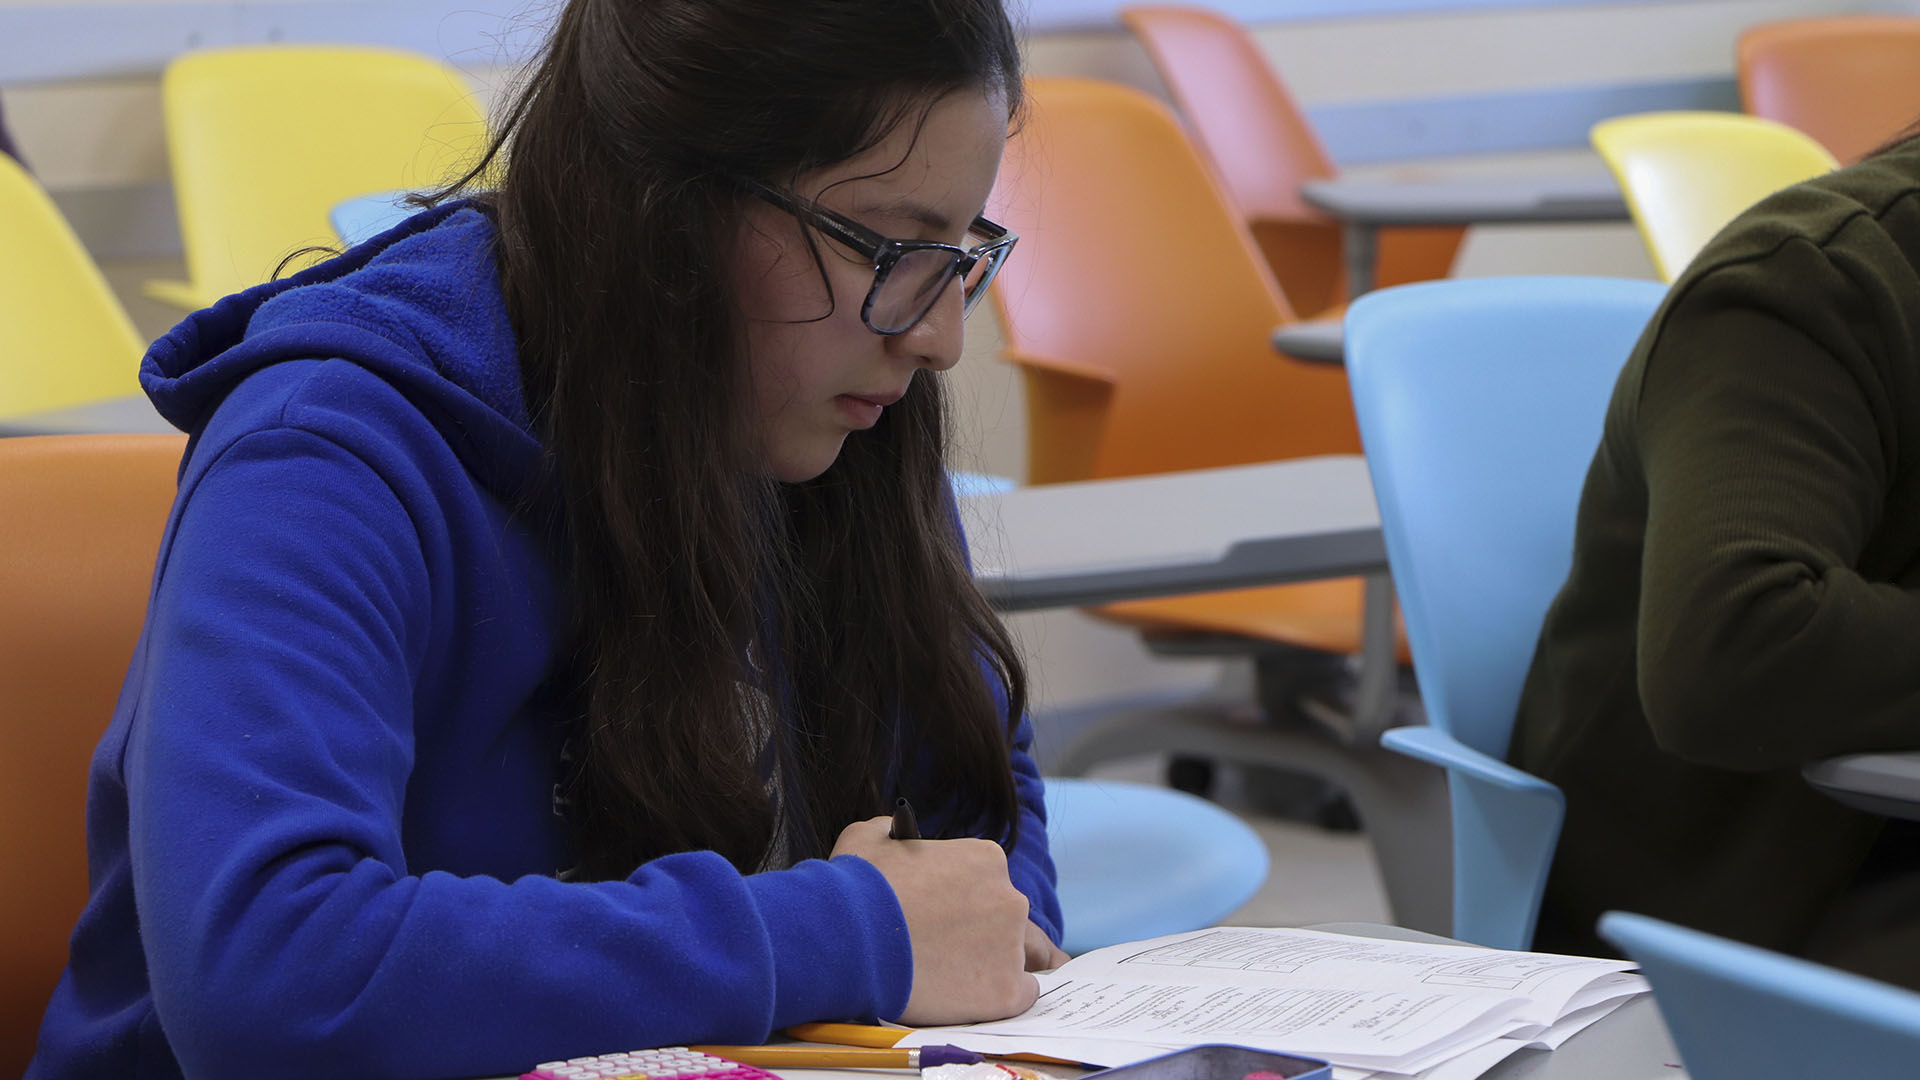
(267, 771)
(1776, 617)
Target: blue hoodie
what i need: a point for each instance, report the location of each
(321, 824)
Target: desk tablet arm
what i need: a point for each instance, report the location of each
(1505, 825)
(1883, 783)
(1068, 401)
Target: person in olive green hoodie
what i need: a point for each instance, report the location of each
(1745, 592)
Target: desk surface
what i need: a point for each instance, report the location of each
(1468, 200)
(1877, 783)
(1060, 545)
(1319, 341)
(114, 416)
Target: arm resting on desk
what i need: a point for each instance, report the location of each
(1073, 398)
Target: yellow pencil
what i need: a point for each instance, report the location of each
(871, 1035)
(849, 1034)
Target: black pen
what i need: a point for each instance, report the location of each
(904, 825)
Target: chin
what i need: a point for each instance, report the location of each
(798, 468)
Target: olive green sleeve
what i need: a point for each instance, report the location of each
(1764, 432)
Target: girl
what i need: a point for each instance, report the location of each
(563, 584)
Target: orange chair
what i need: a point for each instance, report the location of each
(1850, 81)
(1145, 349)
(1262, 149)
(80, 524)
(1138, 309)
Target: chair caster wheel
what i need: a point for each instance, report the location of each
(1338, 815)
(1191, 775)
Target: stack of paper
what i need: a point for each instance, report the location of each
(1372, 1007)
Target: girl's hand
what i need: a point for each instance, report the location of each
(1042, 953)
(966, 922)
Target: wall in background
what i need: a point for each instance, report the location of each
(134, 37)
(1438, 85)
(1385, 80)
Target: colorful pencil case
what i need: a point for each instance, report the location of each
(671, 1063)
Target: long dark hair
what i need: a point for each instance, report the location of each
(725, 628)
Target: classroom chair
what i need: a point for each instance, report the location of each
(64, 338)
(77, 548)
(364, 217)
(7, 148)
(1262, 148)
(1480, 404)
(1138, 311)
(266, 140)
(1687, 174)
(1850, 81)
(1137, 862)
(1737, 1011)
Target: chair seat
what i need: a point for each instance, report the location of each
(1137, 861)
(1323, 615)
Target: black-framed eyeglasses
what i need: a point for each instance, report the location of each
(909, 276)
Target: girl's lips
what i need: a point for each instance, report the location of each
(882, 399)
(861, 412)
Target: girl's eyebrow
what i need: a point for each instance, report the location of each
(917, 212)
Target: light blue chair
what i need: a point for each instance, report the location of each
(973, 483)
(1738, 1012)
(368, 216)
(1480, 404)
(1137, 861)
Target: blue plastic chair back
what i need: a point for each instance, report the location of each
(1480, 405)
(1138, 862)
(974, 483)
(1738, 1012)
(368, 216)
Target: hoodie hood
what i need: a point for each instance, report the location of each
(418, 305)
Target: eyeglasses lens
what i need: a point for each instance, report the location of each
(911, 288)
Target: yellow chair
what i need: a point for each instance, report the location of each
(266, 140)
(64, 338)
(1687, 174)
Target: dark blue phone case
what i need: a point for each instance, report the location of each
(1218, 1061)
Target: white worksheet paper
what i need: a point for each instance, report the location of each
(1366, 1003)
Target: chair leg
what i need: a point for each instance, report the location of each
(1372, 705)
(1377, 694)
(1402, 803)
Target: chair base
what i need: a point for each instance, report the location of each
(1402, 802)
